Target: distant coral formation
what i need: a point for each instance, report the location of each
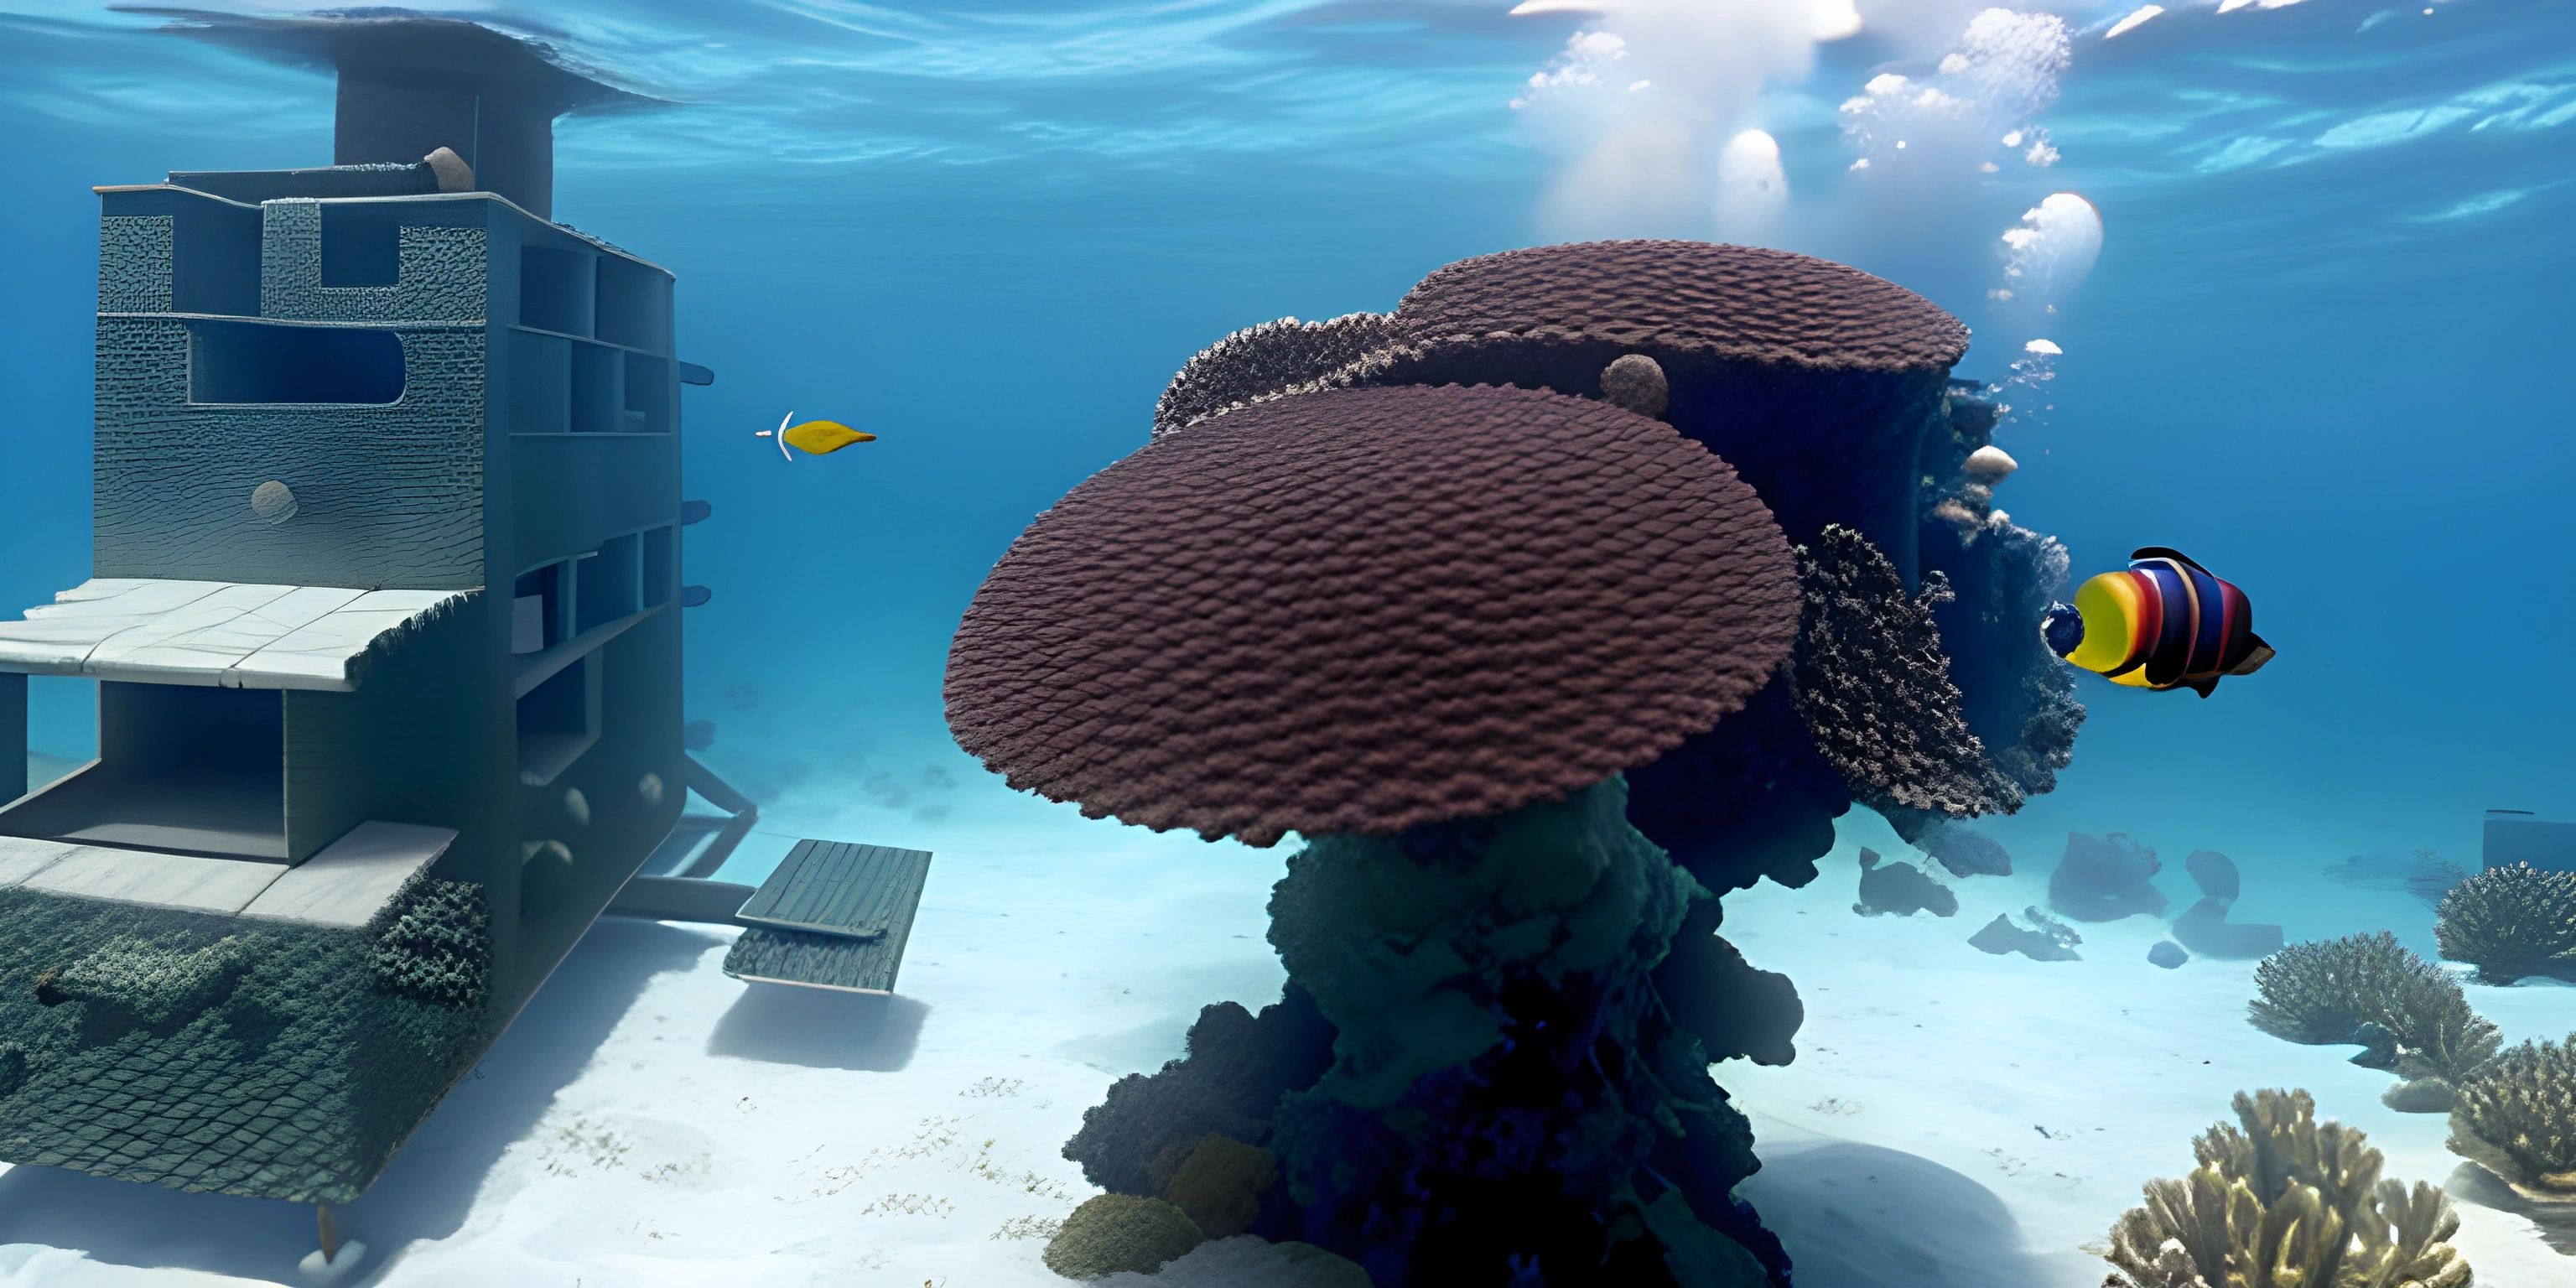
(1964, 850)
(2285, 1202)
(2045, 940)
(1900, 889)
(2516, 1117)
(2332, 992)
(2425, 874)
(1110, 1233)
(2204, 927)
(2510, 923)
(2105, 878)
(1874, 686)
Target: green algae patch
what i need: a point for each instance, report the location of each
(204, 1052)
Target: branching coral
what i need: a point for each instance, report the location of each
(2511, 922)
(1875, 688)
(1114, 1232)
(2325, 992)
(2286, 1202)
(2517, 1118)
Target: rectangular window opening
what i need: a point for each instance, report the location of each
(607, 583)
(267, 362)
(536, 610)
(182, 768)
(597, 390)
(361, 245)
(557, 290)
(634, 305)
(661, 565)
(559, 721)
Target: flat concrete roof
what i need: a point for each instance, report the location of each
(215, 633)
(344, 885)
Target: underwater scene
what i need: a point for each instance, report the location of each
(1417, 643)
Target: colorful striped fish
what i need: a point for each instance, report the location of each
(2164, 623)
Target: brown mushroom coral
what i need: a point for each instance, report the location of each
(1427, 627)
(1365, 610)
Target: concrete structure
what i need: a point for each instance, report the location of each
(385, 622)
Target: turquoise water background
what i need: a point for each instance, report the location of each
(2324, 348)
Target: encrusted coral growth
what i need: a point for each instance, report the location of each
(1114, 1232)
(2326, 992)
(1269, 361)
(1875, 688)
(2511, 922)
(2286, 1202)
(2517, 1118)
(436, 944)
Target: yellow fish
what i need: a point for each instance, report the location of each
(814, 437)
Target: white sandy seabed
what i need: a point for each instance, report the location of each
(1952, 1119)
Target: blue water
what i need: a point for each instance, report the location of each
(2323, 350)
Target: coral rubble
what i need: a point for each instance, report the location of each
(2283, 1202)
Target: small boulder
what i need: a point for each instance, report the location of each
(2214, 873)
(450, 169)
(1637, 383)
(2168, 954)
(1900, 889)
(1989, 465)
(2421, 1096)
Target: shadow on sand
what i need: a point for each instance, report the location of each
(1859, 1216)
(423, 1195)
(820, 1028)
(2555, 1223)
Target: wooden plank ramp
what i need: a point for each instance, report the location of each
(836, 888)
(834, 915)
